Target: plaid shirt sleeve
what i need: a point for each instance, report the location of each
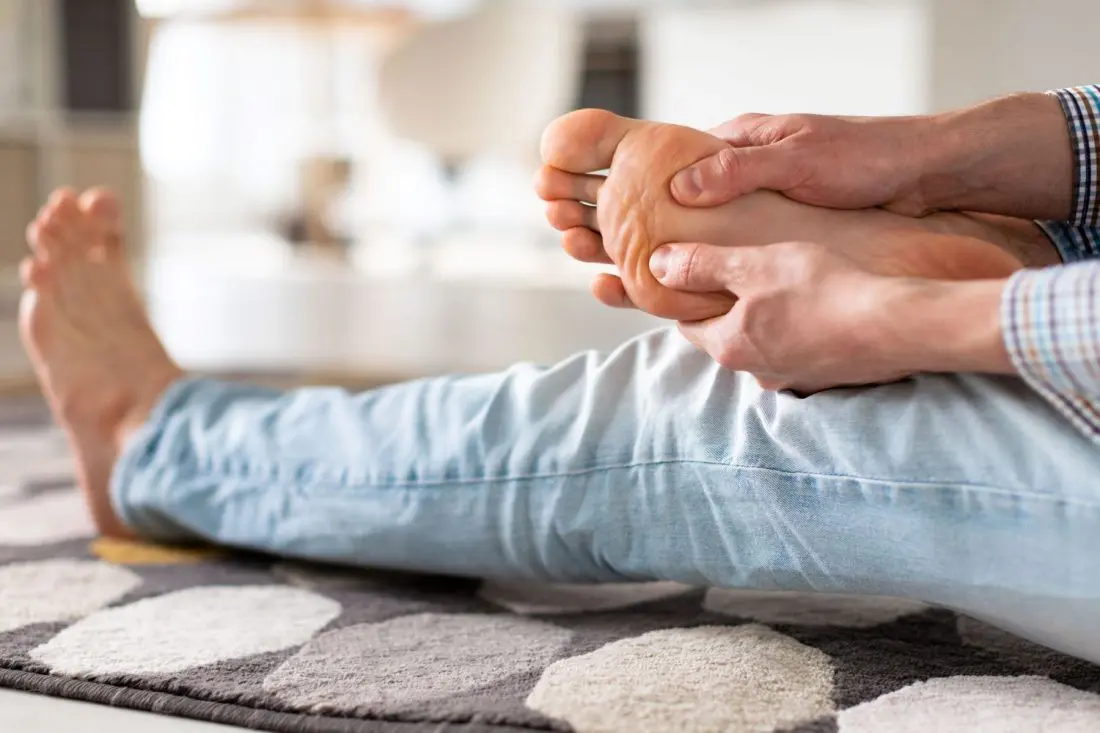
(1081, 106)
(1079, 238)
(1051, 321)
(1051, 317)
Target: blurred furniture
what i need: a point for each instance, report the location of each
(486, 82)
(255, 112)
(67, 107)
(70, 74)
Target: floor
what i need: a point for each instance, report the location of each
(38, 714)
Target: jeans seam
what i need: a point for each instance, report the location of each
(345, 482)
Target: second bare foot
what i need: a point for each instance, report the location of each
(99, 363)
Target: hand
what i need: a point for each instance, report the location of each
(838, 162)
(808, 319)
(1010, 156)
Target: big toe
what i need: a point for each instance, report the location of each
(584, 141)
(103, 210)
(63, 212)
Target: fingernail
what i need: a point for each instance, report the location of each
(688, 184)
(658, 262)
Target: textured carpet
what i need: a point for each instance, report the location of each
(291, 647)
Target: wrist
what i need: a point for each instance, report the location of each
(939, 326)
(1010, 156)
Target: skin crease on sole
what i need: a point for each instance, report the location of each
(635, 214)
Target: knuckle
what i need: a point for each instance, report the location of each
(683, 267)
(727, 164)
(688, 265)
(772, 130)
(729, 355)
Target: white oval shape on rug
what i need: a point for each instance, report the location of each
(186, 629)
(43, 454)
(550, 598)
(412, 659)
(45, 519)
(978, 704)
(713, 679)
(59, 590)
(810, 609)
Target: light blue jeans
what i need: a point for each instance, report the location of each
(650, 463)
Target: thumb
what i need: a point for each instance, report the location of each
(694, 268)
(731, 173)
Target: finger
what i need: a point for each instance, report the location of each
(737, 131)
(703, 268)
(585, 245)
(734, 172)
(609, 290)
(719, 338)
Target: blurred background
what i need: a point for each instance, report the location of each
(341, 189)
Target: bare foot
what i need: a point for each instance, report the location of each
(98, 361)
(636, 213)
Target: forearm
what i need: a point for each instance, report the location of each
(1011, 156)
(940, 327)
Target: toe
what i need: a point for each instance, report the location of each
(63, 206)
(584, 141)
(61, 196)
(564, 215)
(32, 273)
(585, 245)
(44, 238)
(104, 212)
(553, 184)
(609, 290)
(32, 235)
(103, 206)
(63, 216)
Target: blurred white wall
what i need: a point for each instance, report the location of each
(704, 65)
(985, 48)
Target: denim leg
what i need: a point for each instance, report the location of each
(648, 463)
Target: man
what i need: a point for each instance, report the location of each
(652, 462)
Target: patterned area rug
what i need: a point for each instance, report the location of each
(284, 646)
